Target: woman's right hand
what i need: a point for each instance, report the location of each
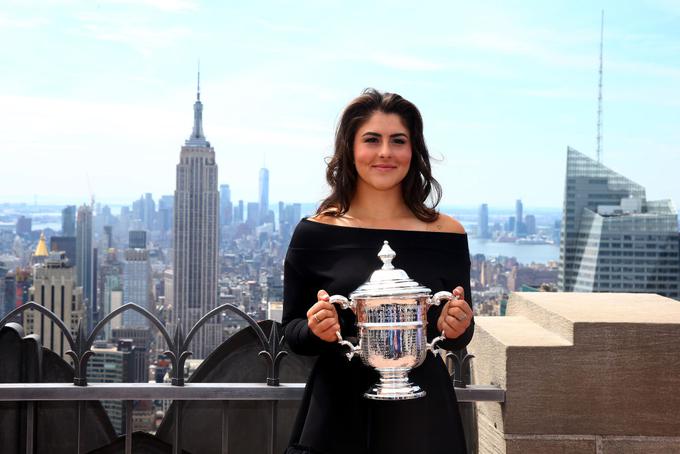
(322, 318)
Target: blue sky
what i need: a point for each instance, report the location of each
(97, 95)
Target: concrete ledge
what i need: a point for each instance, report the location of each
(520, 332)
(640, 445)
(580, 365)
(551, 446)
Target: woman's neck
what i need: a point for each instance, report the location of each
(384, 209)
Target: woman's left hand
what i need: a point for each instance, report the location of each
(456, 315)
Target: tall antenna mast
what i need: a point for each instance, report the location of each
(198, 82)
(599, 96)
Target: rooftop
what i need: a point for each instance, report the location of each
(562, 372)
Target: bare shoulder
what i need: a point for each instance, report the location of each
(326, 218)
(321, 219)
(446, 223)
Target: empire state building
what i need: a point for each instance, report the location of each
(195, 237)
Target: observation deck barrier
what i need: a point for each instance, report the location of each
(25, 400)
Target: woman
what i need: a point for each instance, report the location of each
(381, 183)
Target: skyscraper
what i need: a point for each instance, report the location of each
(519, 218)
(226, 207)
(137, 239)
(54, 287)
(613, 239)
(264, 194)
(253, 215)
(165, 208)
(68, 221)
(148, 211)
(510, 224)
(530, 224)
(122, 364)
(8, 288)
(85, 267)
(24, 226)
(289, 216)
(108, 237)
(4, 307)
(195, 236)
(239, 212)
(111, 289)
(483, 221)
(136, 279)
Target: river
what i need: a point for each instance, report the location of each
(525, 253)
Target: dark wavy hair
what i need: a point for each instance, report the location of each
(420, 190)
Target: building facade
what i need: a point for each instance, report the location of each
(263, 199)
(24, 226)
(137, 239)
(68, 221)
(54, 287)
(519, 218)
(111, 364)
(483, 222)
(613, 239)
(66, 244)
(136, 286)
(112, 296)
(226, 207)
(9, 290)
(165, 208)
(195, 237)
(253, 216)
(85, 257)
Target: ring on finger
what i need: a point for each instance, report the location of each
(316, 317)
(462, 318)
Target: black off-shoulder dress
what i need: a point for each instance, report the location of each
(334, 418)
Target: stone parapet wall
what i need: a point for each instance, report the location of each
(583, 372)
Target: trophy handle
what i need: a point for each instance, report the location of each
(432, 346)
(341, 301)
(438, 297)
(436, 300)
(353, 349)
(344, 303)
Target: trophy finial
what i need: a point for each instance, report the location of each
(386, 254)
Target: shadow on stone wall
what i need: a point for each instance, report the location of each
(237, 361)
(234, 361)
(24, 360)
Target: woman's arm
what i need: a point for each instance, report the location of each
(298, 296)
(458, 275)
(461, 279)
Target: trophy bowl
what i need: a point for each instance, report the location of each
(391, 312)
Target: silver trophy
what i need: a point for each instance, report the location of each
(391, 311)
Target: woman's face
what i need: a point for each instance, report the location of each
(382, 152)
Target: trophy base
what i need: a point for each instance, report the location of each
(394, 385)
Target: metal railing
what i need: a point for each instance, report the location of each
(272, 391)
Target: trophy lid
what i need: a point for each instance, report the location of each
(388, 280)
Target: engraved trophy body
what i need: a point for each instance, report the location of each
(391, 311)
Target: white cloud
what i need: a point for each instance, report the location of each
(11, 22)
(163, 5)
(405, 62)
(642, 68)
(555, 93)
(283, 28)
(671, 7)
(130, 30)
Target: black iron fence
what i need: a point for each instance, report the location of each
(30, 395)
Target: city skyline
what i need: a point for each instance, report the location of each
(97, 105)
(504, 90)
